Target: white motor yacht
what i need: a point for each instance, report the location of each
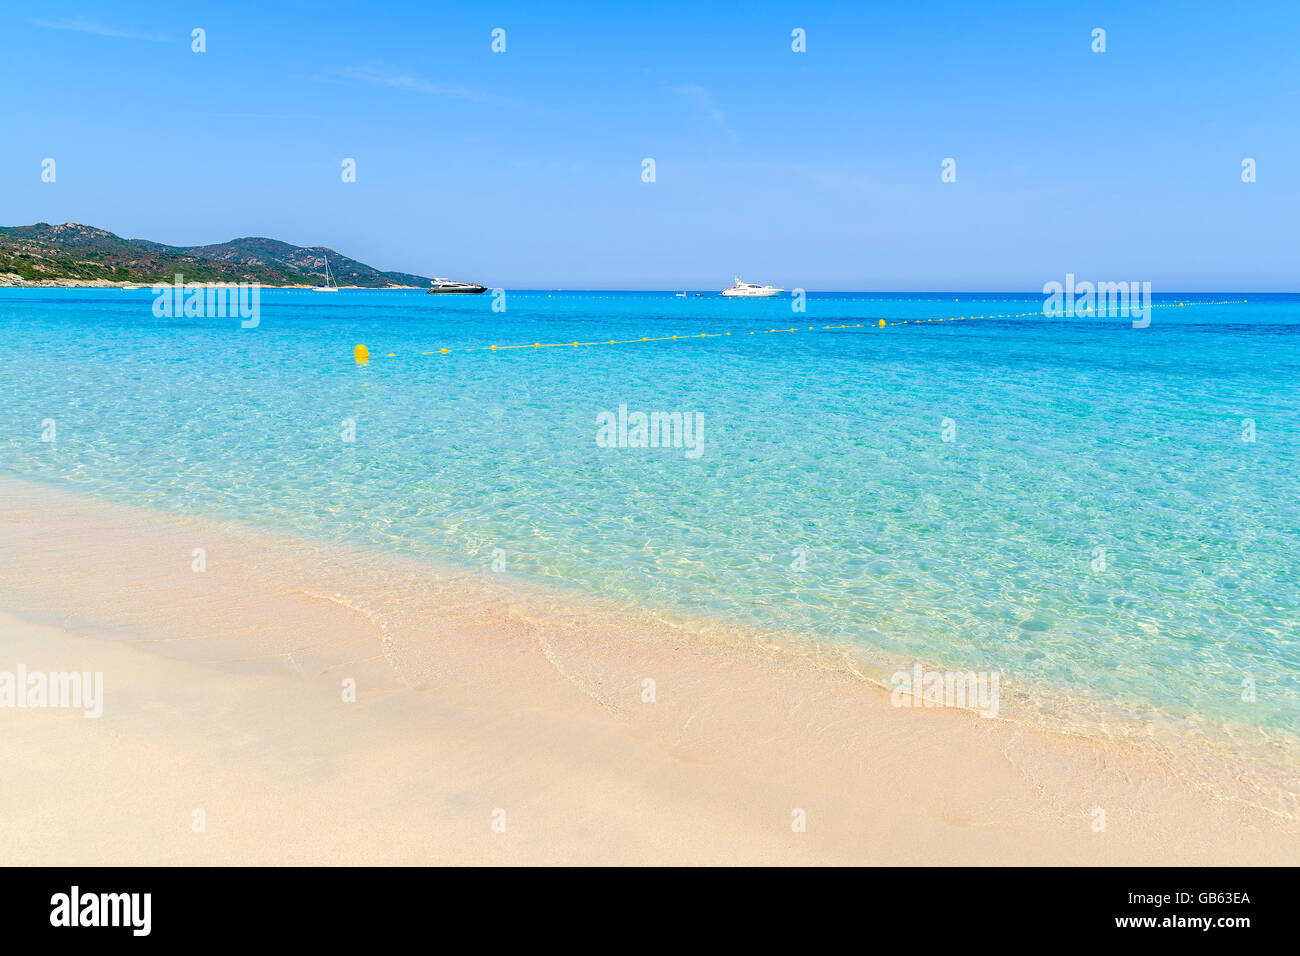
(751, 290)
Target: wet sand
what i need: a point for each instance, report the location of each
(494, 723)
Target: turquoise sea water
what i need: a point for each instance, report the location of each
(1099, 524)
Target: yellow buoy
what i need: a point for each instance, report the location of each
(882, 323)
(361, 354)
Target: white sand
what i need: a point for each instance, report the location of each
(223, 692)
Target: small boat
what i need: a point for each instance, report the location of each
(447, 287)
(680, 295)
(329, 285)
(750, 290)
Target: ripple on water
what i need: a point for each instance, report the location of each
(1098, 525)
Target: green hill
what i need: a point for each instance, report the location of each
(73, 254)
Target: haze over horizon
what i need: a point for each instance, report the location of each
(818, 170)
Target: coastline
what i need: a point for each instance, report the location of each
(223, 693)
(132, 286)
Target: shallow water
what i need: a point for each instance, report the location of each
(1097, 528)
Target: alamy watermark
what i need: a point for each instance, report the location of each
(74, 690)
(125, 910)
(1124, 299)
(972, 690)
(211, 300)
(624, 429)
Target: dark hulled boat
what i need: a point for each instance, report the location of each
(447, 287)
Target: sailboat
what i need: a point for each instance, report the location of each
(329, 285)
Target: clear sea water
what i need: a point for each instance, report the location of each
(1098, 526)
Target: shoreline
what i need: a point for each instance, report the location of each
(1030, 295)
(134, 286)
(474, 695)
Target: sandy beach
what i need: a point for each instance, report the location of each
(492, 725)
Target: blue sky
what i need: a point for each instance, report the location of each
(818, 170)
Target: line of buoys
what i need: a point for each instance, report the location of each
(830, 297)
(362, 354)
